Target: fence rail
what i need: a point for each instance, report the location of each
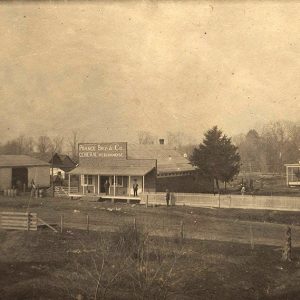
(62, 191)
(225, 201)
(19, 221)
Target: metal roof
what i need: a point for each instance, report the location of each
(20, 161)
(168, 159)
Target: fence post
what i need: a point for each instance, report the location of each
(134, 224)
(219, 201)
(251, 237)
(28, 221)
(181, 230)
(61, 223)
(287, 250)
(147, 201)
(87, 223)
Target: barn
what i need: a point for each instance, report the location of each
(17, 171)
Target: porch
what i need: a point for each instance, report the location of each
(115, 181)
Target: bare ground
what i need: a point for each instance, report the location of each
(226, 254)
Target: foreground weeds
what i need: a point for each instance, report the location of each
(128, 262)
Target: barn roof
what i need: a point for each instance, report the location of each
(20, 161)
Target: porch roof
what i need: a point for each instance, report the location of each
(128, 167)
(292, 165)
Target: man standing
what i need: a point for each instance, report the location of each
(167, 197)
(135, 188)
(106, 187)
(33, 188)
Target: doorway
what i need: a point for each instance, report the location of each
(19, 178)
(102, 181)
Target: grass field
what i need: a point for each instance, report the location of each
(225, 254)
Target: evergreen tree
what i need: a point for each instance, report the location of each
(216, 158)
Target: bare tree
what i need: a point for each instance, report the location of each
(145, 138)
(73, 144)
(178, 139)
(58, 143)
(44, 144)
(20, 145)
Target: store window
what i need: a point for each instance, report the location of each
(88, 179)
(119, 181)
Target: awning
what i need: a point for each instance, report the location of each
(121, 168)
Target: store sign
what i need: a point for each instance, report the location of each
(102, 150)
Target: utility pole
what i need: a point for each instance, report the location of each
(52, 181)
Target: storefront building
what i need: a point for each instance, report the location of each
(101, 162)
(152, 167)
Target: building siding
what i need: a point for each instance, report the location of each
(5, 178)
(183, 184)
(40, 175)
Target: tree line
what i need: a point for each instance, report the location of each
(42, 144)
(267, 149)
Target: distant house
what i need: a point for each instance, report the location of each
(60, 163)
(17, 171)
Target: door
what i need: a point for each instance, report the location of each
(19, 178)
(102, 181)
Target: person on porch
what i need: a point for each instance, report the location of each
(106, 187)
(135, 188)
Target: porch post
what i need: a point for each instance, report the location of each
(129, 187)
(98, 184)
(143, 189)
(114, 185)
(287, 175)
(69, 187)
(82, 177)
(94, 184)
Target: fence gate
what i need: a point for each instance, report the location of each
(19, 221)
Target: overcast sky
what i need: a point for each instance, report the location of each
(111, 69)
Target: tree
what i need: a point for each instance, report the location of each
(251, 152)
(145, 138)
(73, 144)
(44, 144)
(216, 158)
(20, 145)
(58, 143)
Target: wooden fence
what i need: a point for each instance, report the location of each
(225, 201)
(19, 221)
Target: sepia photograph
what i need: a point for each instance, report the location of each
(150, 150)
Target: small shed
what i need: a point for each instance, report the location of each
(17, 171)
(292, 174)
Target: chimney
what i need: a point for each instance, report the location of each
(161, 141)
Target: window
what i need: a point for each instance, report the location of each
(88, 180)
(119, 181)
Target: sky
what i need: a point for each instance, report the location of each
(111, 69)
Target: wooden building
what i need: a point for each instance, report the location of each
(293, 174)
(152, 167)
(17, 171)
(60, 164)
